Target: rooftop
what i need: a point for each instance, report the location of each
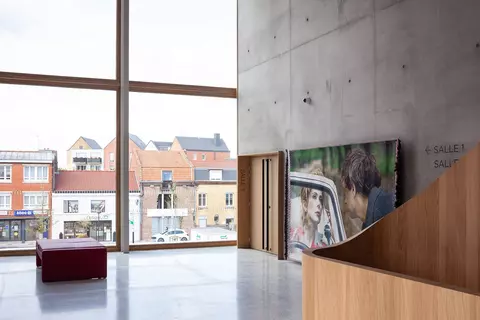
(162, 144)
(162, 159)
(91, 181)
(203, 144)
(41, 156)
(225, 164)
(137, 141)
(91, 143)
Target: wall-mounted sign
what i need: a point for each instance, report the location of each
(3, 213)
(98, 217)
(447, 154)
(23, 213)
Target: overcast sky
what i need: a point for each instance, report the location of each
(181, 41)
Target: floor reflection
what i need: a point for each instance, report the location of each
(213, 283)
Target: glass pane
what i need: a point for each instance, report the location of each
(184, 41)
(58, 37)
(187, 206)
(59, 122)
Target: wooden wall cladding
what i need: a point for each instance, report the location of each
(423, 257)
(243, 201)
(341, 291)
(434, 236)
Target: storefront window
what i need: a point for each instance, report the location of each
(99, 230)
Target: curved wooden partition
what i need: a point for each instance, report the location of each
(422, 261)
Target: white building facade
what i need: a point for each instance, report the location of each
(91, 214)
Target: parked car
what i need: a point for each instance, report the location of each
(171, 236)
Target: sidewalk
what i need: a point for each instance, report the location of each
(17, 245)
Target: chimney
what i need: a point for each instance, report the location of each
(216, 139)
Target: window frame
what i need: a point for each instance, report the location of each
(166, 171)
(5, 167)
(36, 194)
(227, 200)
(35, 180)
(66, 206)
(104, 209)
(205, 203)
(162, 196)
(5, 194)
(216, 171)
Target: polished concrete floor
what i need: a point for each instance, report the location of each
(207, 284)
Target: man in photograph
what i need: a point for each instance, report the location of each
(364, 199)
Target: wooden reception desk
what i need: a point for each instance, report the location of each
(422, 261)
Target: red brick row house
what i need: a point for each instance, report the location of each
(27, 179)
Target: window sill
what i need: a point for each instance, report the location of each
(5, 181)
(35, 181)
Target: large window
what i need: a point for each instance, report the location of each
(52, 37)
(184, 41)
(60, 76)
(35, 173)
(41, 203)
(5, 173)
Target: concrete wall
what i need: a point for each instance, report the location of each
(373, 69)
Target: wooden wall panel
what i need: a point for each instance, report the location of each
(341, 291)
(435, 236)
(256, 204)
(243, 202)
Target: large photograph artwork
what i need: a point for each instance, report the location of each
(336, 192)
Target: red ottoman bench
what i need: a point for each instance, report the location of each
(71, 259)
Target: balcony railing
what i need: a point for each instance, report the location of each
(94, 160)
(85, 160)
(80, 160)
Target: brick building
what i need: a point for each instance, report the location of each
(202, 149)
(110, 151)
(26, 183)
(168, 194)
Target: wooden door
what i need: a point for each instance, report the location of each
(256, 204)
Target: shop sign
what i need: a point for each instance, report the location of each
(23, 213)
(98, 217)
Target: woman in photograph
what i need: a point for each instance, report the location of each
(316, 229)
